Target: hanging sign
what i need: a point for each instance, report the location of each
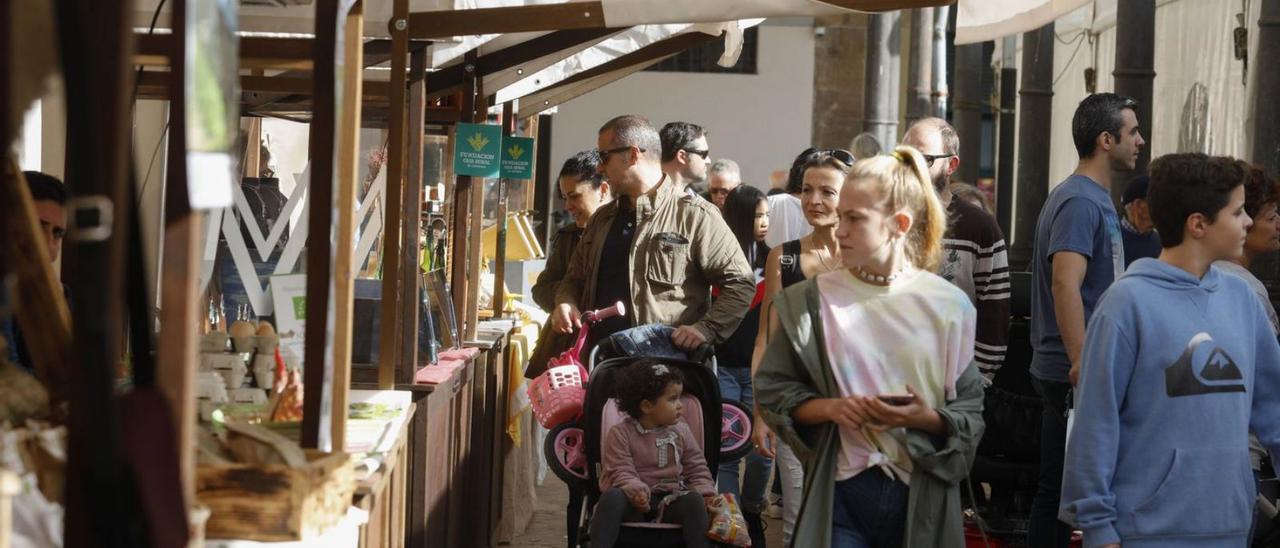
(477, 149)
(517, 157)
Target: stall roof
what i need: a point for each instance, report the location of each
(983, 20)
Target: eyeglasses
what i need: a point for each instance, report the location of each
(704, 153)
(604, 154)
(929, 159)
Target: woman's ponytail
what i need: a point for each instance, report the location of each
(924, 241)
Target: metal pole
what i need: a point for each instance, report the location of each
(884, 66)
(919, 65)
(938, 97)
(1134, 74)
(1007, 133)
(1266, 118)
(1033, 147)
(967, 113)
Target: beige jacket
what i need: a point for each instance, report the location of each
(681, 248)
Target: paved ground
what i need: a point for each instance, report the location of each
(546, 530)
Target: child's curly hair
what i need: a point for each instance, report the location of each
(645, 379)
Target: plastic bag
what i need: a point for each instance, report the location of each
(727, 524)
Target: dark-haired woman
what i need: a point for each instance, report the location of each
(746, 211)
(584, 190)
(821, 175)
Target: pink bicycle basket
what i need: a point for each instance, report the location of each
(557, 394)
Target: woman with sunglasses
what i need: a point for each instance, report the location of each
(822, 173)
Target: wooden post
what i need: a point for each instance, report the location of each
(462, 208)
(179, 299)
(252, 147)
(348, 171)
(389, 329)
(95, 42)
(545, 183)
(318, 359)
(500, 247)
(474, 247)
(410, 280)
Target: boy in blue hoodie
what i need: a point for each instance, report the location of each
(1179, 363)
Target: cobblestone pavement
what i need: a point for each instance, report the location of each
(546, 529)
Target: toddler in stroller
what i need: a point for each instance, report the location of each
(653, 468)
(573, 449)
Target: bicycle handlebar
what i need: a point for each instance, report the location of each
(592, 316)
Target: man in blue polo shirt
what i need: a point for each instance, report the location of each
(1078, 254)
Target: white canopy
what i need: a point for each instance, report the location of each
(983, 20)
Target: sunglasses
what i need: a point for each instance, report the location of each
(929, 159)
(704, 153)
(604, 154)
(843, 156)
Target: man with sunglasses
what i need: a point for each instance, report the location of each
(974, 257)
(685, 154)
(656, 249)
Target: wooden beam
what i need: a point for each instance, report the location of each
(540, 101)
(580, 15)
(255, 52)
(410, 279)
(389, 328)
(263, 53)
(449, 79)
(155, 85)
(348, 180)
(444, 24)
(318, 355)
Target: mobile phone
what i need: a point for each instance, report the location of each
(904, 399)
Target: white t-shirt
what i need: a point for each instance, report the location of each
(786, 220)
(919, 330)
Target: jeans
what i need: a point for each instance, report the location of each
(791, 476)
(1044, 529)
(869, 510)
(735, 384)
(614, 509)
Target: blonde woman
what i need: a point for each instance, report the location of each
(868, 376)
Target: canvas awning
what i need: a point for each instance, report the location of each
(983, 20)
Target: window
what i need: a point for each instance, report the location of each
(703, 58)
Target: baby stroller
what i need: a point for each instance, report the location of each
(573, 453)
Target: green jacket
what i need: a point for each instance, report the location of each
(681, 249)
(795, 369)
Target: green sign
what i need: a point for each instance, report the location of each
(517, 157)
(477, 149)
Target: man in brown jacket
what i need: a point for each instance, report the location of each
(656, 249)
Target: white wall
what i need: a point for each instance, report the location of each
(761, 121)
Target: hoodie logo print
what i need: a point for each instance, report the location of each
(1203, 368)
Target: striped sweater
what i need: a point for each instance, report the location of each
(974, 258)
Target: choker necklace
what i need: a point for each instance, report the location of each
(875, 279)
